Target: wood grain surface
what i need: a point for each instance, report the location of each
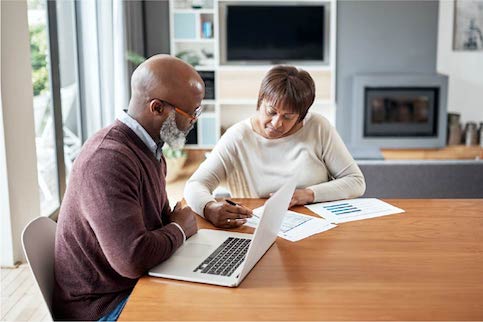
(425, 264)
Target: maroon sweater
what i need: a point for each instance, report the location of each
(113, 224)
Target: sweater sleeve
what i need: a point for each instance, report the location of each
(348, 180)
(199, 188)
(110, 199)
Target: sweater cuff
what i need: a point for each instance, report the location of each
(318, 197)
(182, 231)
(200, 209)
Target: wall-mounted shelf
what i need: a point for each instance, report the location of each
(197, 11)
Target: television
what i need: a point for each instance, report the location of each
(274, 32)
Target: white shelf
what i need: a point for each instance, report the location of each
(254, 102)
(200, 11)
(205, 68)
(205, 115)
(208, 102)
(198, 146)
(238, 102)
(323, 102)
(195, 40)
(307, 67)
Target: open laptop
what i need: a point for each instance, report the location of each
(223, 257)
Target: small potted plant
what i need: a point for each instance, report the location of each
(175, 160)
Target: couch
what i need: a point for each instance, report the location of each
(423, 178)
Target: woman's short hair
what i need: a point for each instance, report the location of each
(290, 87)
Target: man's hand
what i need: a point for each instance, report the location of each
(186, 218)
(302, 197)
(224, 215)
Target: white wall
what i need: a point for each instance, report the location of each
(18, 161)
(6, 228)
(464, 69)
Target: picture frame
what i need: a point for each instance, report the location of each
(468, 25)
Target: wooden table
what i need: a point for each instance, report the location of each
(425, 264)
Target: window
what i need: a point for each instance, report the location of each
(79, 82)
(56, 96)
(69, 81)
(43, 108)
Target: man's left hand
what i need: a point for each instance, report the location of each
(186, 218)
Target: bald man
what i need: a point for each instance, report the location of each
(115, 222)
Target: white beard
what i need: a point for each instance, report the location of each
(171, 135)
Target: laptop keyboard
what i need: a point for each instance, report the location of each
(226, 258)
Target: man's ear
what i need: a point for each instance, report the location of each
(156, 106)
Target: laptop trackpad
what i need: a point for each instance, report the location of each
(195, 250)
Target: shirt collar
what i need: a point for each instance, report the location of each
(156, 148)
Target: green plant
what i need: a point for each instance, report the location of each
(134, 58)
(171, 153)
(189, 56)
(38, 59)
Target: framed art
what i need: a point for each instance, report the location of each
(468, 25)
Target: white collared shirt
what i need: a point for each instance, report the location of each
(134, 125)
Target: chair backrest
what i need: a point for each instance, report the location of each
(423, 178)
(38, 240)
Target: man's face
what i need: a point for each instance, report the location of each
(172, 134)
(184, 107)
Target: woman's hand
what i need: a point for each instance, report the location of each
(224, 215)
(302, 197)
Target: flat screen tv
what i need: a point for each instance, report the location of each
(273, 32)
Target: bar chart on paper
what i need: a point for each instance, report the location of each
(295, 226)
(342, 209)
(354, 209)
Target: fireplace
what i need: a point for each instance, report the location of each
(399, 111)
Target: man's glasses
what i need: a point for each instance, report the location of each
(192, 117)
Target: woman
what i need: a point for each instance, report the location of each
(256, 156)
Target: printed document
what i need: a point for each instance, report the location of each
(355, 209)
(295, 226)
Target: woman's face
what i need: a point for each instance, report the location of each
(275, 122)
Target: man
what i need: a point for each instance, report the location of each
(115, 222)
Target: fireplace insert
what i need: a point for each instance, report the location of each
(399, 111)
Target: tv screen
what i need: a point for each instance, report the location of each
(274, 33)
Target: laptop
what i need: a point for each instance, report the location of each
(225, 258)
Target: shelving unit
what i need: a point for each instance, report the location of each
(192, 37)
(232, 90)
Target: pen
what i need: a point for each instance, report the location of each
(231, 202)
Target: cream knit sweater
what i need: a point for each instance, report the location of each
(252, 166)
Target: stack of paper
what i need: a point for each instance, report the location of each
(295, 226)
(355, 209)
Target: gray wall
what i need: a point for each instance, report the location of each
(147, 28)
(135, 33)
(156, 18)
(381, 37)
